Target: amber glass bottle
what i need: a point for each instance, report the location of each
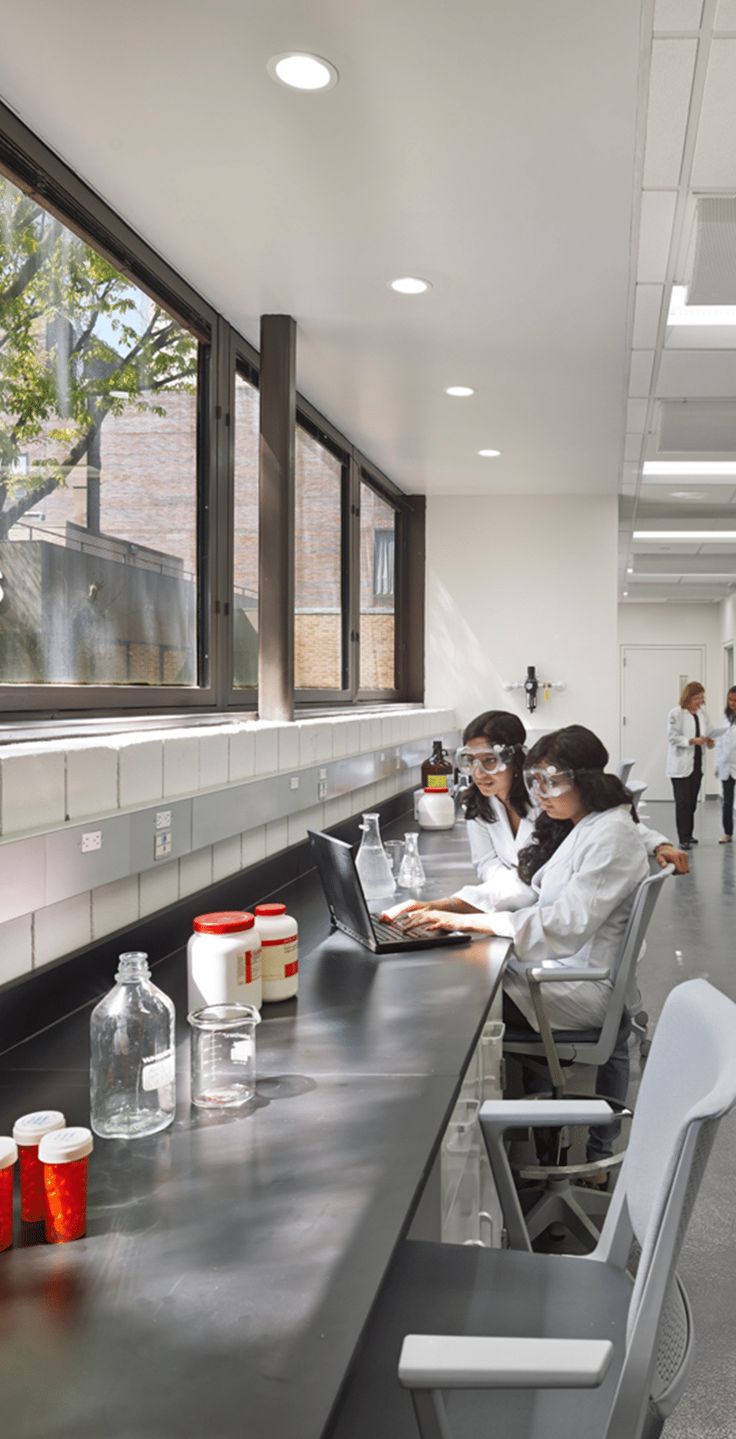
(436, 770)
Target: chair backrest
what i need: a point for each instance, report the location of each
(624, 768)
(640, 918)
(688, 1085)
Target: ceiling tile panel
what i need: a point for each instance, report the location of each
(646, 315)
(640, 374)
(714, 166)
(670, 83)
(632, 447)
(677, 14)
(726, 15)
(636, 414)
(655, 232)
(702, 374)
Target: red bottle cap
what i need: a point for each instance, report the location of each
(225, 921)
(270, 911)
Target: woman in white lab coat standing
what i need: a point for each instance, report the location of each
(726, 764)
(689, 732)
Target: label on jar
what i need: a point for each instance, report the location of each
(158, 1070)
(436, 781)
(280, 958)
(248, 966)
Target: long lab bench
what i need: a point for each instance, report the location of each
(231, 1262)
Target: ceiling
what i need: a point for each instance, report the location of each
(540, 164)
(682, 378)
(486, 145)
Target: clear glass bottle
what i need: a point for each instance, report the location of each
(372, 863)
(132, 1071)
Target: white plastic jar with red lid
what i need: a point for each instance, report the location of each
(279, 953)
(435, 809)
(224, 960)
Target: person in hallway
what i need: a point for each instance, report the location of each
(584, 863)
(689, 732)
(726, 764)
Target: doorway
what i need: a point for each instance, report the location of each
(652, 679)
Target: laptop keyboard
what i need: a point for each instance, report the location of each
(387, 931)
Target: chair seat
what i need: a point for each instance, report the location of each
(562, 1036)
(451, 1289)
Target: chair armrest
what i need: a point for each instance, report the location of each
(562, 974)
(501, 1114)
(438, 1361)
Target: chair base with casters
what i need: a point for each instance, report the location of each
(567, 1206)
(469, 1342)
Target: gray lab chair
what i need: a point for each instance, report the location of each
(623, 769)
(542, 1346)
(564, 1200)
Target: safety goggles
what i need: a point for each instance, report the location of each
(493, 760)
(547, 782)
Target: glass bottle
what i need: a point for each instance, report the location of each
(132, 1073)
(372, 863)
(437, 770)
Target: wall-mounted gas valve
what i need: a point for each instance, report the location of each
(531, 687)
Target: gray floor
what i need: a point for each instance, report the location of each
(692, 934)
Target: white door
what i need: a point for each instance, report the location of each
(652, 680)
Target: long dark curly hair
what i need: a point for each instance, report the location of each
(578, 749)
(498, 727)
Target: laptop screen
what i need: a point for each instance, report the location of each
(341, 885)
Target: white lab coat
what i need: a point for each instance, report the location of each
(726, 752)
(584, 897)
(680, 731)
(495, 850)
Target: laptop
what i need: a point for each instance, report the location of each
(349, 911)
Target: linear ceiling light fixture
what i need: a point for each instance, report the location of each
(680, 313)
(489, 454)
(301, 71)
(705, 468)
(729, 535)
(459, 392)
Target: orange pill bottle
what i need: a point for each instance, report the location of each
(8, 1156)
(64, 1155)
(28, 1131)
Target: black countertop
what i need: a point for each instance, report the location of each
(231, 1262)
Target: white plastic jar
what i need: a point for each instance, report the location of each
(436, 809)
(224, 960)
(280, 951)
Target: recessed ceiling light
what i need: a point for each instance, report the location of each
(685, 535)
(410, 285)
(680, 313)
(302, 71)
(630, 570)
(459, 391)
(686, 495)
(689, 467)
(626, 594)
(489, 454)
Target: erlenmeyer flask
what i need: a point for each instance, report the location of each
(372, 862)
(411, 873)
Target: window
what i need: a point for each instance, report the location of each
(377, 591)
(98, 466)
(319, 659)
(245, 535)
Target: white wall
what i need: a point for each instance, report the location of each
(728, 628)
(519, 581)
(668, 624)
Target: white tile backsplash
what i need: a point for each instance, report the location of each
(253, 844)
(16, 955)
(91, 780)
(243, 752)
(195, 871)
(159, 887)
(288, 742)
(267, 749)
(213, 761)
(61, 928)
(141, 771)
(277, 836)
(32, 790)
(114, 905)
(181, 766)
(226, 857)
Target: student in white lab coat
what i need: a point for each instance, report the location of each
(584, 863)
(689, 732)
(726, 764)
(501, 818)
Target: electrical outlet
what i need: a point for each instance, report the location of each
(294, 782)
(163, 819)
(323, 774)
(322, 789)
(91, 841)
(162, 845)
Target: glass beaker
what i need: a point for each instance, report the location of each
(372, 863)
(223, 1055)
(395, 850)
(411, 873)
